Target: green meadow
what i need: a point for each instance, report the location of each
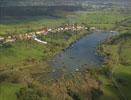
(101, 20)
(8, 91)
(98, 19)
(118, 61)
(109, 91)
(24, 51)
(29, 25)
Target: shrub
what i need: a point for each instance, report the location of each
(28, 94)
(14, 78)
(7, 45)
(3, 77)
(96, 93)
(73, 94)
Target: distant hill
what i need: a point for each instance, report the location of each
(35, 2)
(18, 9)
(56, 2)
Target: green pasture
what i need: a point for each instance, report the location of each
(98, 19)
(8, 91)
(119, 58)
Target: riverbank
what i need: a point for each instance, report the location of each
(19, 79)
(115, 73)
(26, 55)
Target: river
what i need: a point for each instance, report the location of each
(83, 52)
(80, 55)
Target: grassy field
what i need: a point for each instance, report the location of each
(17, 52)
(29, 25)
(99, 19)
(32, 51)
(118, 58)
(109, 91)
(8, 91)
(124, 26)
(122, 75)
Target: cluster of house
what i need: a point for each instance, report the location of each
(44, 31)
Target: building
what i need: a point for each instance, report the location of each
(1, 40)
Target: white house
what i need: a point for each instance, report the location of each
(1, 39)
(9, 40)
(49, 30)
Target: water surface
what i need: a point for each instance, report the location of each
(83, 52)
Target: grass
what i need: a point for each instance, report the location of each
(101, 20)
(20, 51)
(125, 52)
(109, 91)
(98, 19)
(119, 54)
(123, 75)
(23, 51)
(8, 91)
(27, 26)
(124, 26)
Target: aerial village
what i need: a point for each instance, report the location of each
(44, 31)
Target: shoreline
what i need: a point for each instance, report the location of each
(58, 49)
